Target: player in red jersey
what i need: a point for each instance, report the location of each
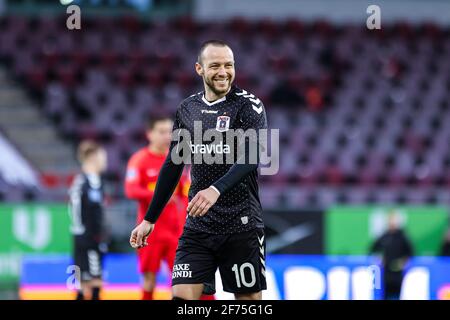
(142, 172)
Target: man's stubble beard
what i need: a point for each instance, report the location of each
(210, 85)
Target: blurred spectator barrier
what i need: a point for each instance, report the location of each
(31, 228)
(351, 230)
(336, 11)
(294, 231)
(14, 169)
(289, 277)
(49, 277)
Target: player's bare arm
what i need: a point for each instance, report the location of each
(202, 201)
(139, 235)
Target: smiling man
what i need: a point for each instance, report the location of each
(224, 228)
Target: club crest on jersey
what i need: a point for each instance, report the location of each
(223, 123)
(131, 174)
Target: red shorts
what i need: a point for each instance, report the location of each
(150, 257)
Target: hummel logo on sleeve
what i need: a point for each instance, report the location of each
(258, 110)
(255, 101)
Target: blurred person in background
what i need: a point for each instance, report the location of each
(86, 209)
(140, 182)
(445, 250)
(395, 249)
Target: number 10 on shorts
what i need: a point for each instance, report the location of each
(239, 273)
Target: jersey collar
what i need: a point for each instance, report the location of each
(214, 102)
(229, 95)
(94, 180)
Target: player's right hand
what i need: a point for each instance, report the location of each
(139, 235)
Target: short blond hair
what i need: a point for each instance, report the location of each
(87, 148)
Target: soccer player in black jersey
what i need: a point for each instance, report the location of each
(86, 209)
(224, 227)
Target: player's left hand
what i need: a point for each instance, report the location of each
(203, 200)
(139, 235)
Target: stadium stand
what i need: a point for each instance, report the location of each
(362, 117)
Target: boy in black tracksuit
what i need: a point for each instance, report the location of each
(86, 209)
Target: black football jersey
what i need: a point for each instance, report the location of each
(237, 209)
(86, 208)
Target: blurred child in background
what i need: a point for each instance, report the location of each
(86, 209)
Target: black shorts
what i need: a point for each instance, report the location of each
(240, 258)
(89, 258)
